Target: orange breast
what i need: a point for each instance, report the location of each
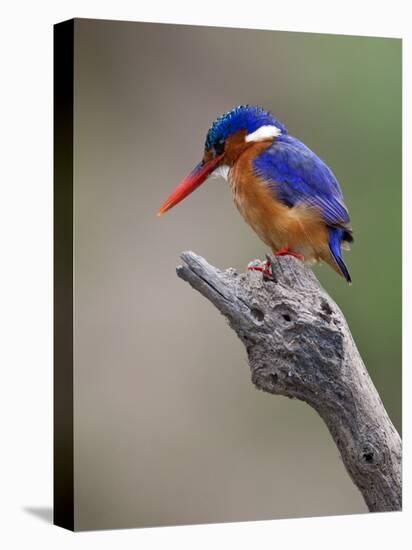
(300, 228)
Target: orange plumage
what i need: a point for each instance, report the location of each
(300, 228)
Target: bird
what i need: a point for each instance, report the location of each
(283, 190)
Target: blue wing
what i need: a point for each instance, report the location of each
(298, 176)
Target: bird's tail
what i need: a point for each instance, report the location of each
(335, 241)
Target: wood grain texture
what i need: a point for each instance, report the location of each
(300, 346)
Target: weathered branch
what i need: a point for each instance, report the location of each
(299, 345)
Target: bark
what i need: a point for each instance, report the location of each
(300, 346)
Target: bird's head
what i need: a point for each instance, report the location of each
(226, 139)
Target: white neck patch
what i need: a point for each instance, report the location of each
(262, 133)
(222, 171)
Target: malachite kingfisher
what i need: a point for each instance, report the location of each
(283, 190)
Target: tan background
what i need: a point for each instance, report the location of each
(168, 427)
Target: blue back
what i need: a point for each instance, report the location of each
(297, 175)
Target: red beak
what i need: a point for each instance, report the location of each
(191, 182)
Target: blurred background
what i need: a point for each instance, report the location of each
(168, 427)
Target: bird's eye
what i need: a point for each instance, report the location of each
(219, 146)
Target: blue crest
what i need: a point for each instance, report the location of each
(243, 117)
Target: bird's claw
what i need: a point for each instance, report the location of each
(265, 269)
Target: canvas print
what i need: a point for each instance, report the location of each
(227, 220)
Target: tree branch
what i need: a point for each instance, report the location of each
(299, 345)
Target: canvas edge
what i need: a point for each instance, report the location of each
(63, 441)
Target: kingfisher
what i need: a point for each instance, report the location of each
(283, 190)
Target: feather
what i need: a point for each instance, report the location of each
(335, 240)
(297, 176)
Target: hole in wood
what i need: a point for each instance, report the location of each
(273, 378)
(257, 314)
(326, 307)
(368, 457)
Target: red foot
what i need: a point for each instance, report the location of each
(266, 269)
(286, 251)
